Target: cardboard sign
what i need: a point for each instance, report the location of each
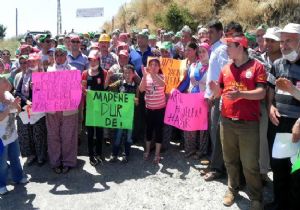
(187, 111)
(109, 109)
(56, 91)
(173, 71)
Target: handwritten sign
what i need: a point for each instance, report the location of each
(187, 111)
(109, 109)
(56, 91)
(173, 71)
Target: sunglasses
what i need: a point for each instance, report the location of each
(6, 54)
(22, 63)
(47, 41)
(75, 42)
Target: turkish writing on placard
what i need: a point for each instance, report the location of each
(173, 71)
(109, 109)
(56, 91)
(187, 111)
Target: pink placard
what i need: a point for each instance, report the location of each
(56, 91)
(187, 111)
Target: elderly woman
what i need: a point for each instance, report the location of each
(31, 126)
(196, 142)
(62, 126)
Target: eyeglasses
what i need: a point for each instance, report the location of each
(22, 63)
(75, 42)
(6, 54)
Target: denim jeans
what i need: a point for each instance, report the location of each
(10, 153)
(118, 139)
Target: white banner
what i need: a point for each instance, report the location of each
(90, 12)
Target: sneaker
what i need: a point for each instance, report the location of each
(256, 205)
(113, 159)
(228, 199)
(3, 190)
(93, 161)
(24, 180)
(125, 159)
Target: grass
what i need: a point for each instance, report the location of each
(249, 13)
(9, 44)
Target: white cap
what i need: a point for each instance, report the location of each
(272, 33)
(292, 28)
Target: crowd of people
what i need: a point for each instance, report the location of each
(250, 81)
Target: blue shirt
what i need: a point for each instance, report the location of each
(137, 59)
(81, 62)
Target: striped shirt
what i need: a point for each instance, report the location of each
(286, 104)
(155, 95)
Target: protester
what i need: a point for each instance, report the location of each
(272, 53)
(75, 57)
(6, 60)
(196, 142)
(9, 138)
(260, 32)
(17, 74)
(284, 110)
(94, 79)
(107, 58)
(32, 133)
(126, 85)
(62, 126)
(242, 85)
(153, 85)
(218, 58)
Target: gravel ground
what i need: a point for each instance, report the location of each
(173, 184)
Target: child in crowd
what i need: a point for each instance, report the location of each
(153, 85)
(9, 138)
(93, 79)
(126, 85)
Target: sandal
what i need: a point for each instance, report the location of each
(156, 159)
(212, 175)
(203, 171)
(146, 156)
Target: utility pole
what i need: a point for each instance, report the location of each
(59, 28)
(16, 22)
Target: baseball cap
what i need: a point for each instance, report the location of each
(166, 46)
(242, 40)
(61, 48)
(93, 54)
(152, 37)
(292, 28)
(124, 53)
(272, 33)
(43, 37)
(34, 56)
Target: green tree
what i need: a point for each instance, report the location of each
(2, 31)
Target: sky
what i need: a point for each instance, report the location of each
(40, 15)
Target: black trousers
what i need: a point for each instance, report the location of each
(286, 185)
(155, 124)
(92, 142)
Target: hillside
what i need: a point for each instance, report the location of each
(161, 13)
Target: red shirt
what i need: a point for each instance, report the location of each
(243, 78)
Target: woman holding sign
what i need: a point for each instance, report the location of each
(62, 125)
(31, 126)
(196, 142)
(153, 85)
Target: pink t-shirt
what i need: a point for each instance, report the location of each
(155, 95)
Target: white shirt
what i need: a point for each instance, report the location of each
(8, 131)
(218, 58)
